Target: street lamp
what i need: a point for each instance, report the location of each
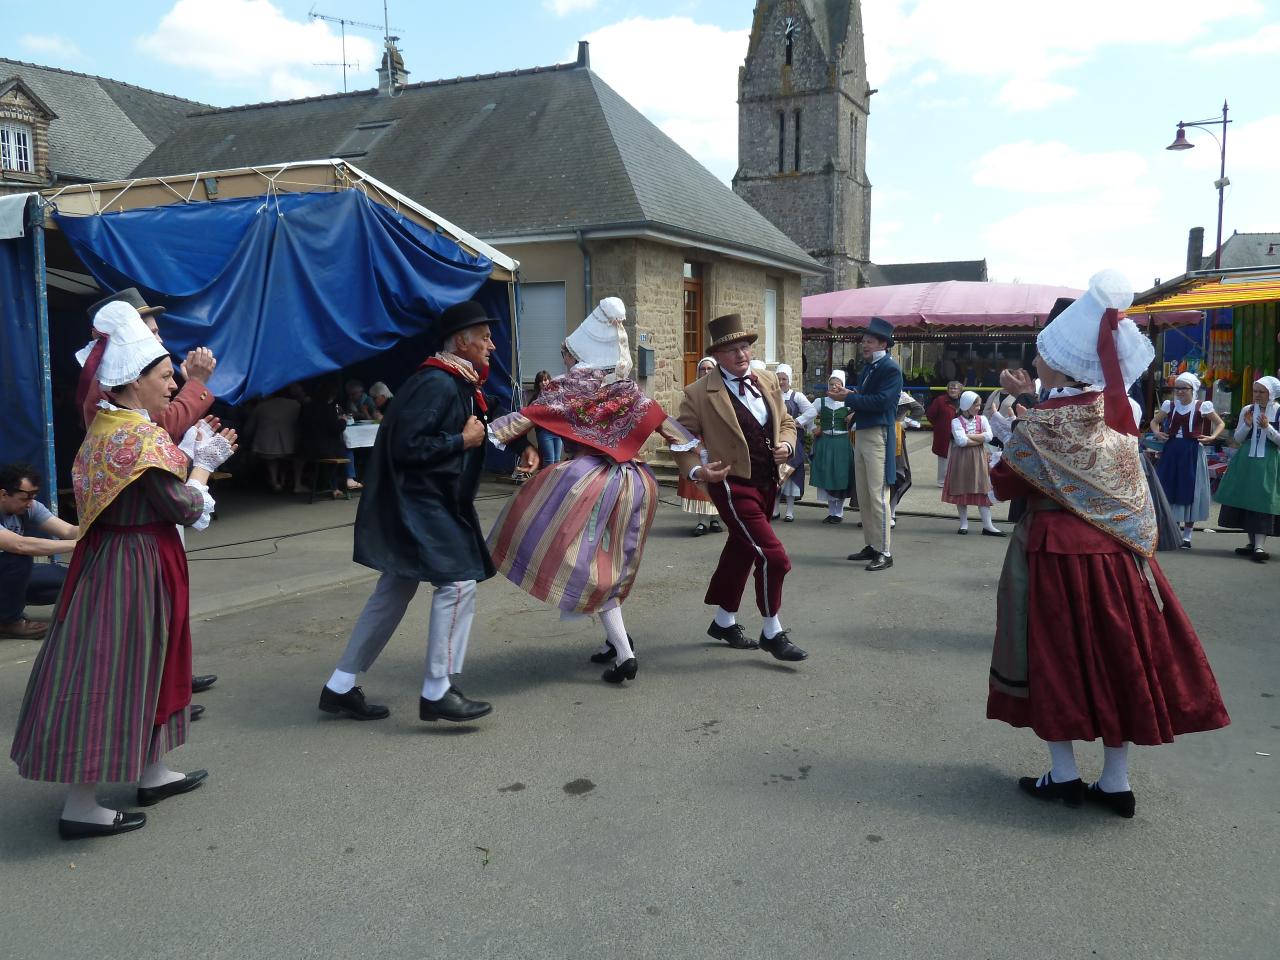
(1180, 142)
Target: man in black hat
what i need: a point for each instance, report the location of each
(875, 405)
(417, 521)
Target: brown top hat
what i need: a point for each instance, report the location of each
(132, 297)
(728, 329)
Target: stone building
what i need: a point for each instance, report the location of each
(553, 167)
(59, 127)
(803, 107)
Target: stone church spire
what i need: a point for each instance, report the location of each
(803, 106)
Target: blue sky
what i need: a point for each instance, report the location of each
(1028, 133)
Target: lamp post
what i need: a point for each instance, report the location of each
(1180, 142)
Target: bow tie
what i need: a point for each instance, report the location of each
(749, 382)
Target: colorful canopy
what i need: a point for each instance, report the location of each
(940, 305)
(1228, 291)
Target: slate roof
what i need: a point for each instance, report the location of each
(104, 128)
(525, 153)
(1248, 250)
(890, 274)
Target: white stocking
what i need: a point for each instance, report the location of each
(83, 807)
(1063, 755)
(1261, 542)
(791, 505)
(963, 511)
(157, 775)
(616, 631)
(1115, 769)
(985, 513)
(835, 506)
(1187, 530)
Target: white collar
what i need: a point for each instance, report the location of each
(878, 355)
(733, 376)
(108, 405)
(1180, 407)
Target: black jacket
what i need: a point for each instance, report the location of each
(417, 516)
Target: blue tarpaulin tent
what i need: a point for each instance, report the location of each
(282, 286)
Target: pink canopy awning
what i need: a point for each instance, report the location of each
(947, 303)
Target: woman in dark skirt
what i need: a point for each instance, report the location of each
(1250, 492)
(1187, 426)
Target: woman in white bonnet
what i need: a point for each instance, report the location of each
(803, 413)
(1250, 491)
(832, 471)
(693, 495)
(1187, 425)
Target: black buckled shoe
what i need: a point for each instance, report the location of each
(149, 796)
(352, 704)
(619, 672)
(203, 683)
(715, 527)
(882, 562)
(610, 655)
(1121, 803)
(1045, 788)
(453, 706)
(866, 553)
(733, 636)
(782, 648)
(124, 822)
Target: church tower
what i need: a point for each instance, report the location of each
(803, 104)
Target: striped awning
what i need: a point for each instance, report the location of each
(1215, 294)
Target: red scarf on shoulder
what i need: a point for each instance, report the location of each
(463, 370)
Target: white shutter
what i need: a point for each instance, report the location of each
(542, 328)
(770, 324)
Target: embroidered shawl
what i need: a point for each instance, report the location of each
(119, 447)
(1068, 453)
(612, 418)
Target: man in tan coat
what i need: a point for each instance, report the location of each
(747, 435)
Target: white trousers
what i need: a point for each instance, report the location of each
(453, 609)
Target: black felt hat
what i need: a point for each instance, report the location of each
(1058, 306)
(132, 297)
(460, 316)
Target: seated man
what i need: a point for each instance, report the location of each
(22, 580)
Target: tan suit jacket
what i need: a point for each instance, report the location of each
(707, 412)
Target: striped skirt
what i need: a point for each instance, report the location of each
(573, 536)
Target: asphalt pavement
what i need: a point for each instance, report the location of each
(722, 805)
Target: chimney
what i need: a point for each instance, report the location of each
(392, 75)
(1195, 249)
(584, 53)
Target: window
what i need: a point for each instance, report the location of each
(853, 146)
(797, 139)
(782, 141)
(15, 147)
(788, 49)
(541, 329)
(771, 321)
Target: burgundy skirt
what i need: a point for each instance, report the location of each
(1103, 659)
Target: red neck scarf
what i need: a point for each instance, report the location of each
(1118, 413)
(463, 370)
(90, 372)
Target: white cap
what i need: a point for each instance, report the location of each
(758, 365)
(1188, 380)
(969, 398)
(131, 346)
(783, 370)
(837, 375)
(1272, 385)
(600, 342)
(1070, 343)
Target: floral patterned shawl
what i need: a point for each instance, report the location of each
(612, 418)
(1068, 453)
(120, 446)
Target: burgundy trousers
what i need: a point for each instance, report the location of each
(745, 511)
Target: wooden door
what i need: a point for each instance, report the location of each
(693, 328)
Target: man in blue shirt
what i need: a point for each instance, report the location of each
(875, 403)
(22, 581)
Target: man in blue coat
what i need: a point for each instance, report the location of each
(874, 403)
(417, 521)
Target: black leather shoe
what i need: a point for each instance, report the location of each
(1071, 793)
(453, 706)
(352, 704)
(830, 519)
(1122, 803)
(1244, 551)
(700, 529)
(1260, 556)
(197, 711)
(993, 533)
(610, 655)
(124, 822)
(715, 527)
(782, 648)
(203, 683)
(149, 796)
(882, 562)
(733, 636)
(963, 531)
(866, 553)
(619, 672)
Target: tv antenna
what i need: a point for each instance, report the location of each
(355, 64)
(343, 23)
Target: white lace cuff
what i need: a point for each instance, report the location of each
(209, 505)
(493, 438)
(685, 447)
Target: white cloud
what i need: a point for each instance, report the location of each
(693, 96)
(251, 43)
(1250, 146)
(1260, 43)
(1055, 167)
(1023, 46)
(562, 8)
(925, 79)
(50, 45)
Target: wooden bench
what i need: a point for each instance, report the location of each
(327, 462)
